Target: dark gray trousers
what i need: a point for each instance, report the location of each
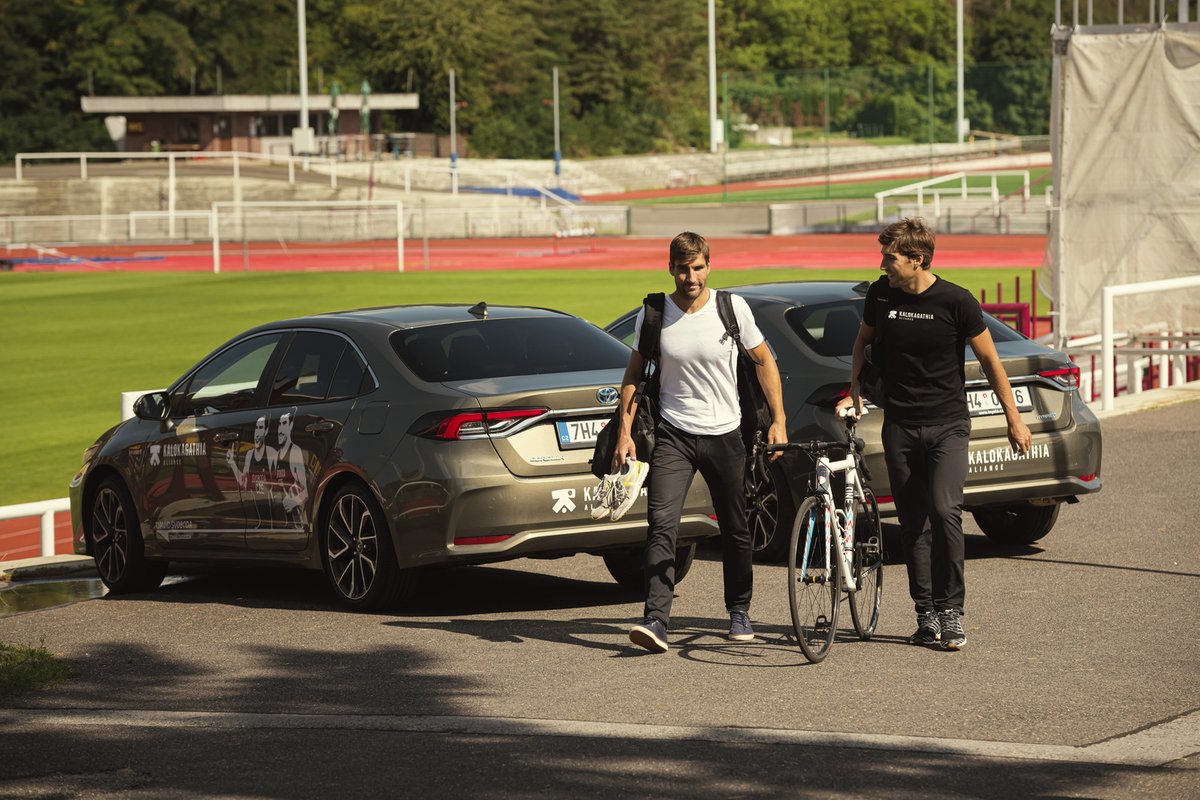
(721, 461)
(927, 467)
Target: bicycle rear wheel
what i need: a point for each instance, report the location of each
(868, 567)
(814, 585)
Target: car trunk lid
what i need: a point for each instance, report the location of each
(560, 441)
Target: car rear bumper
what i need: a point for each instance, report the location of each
(496, 516)
(1033, 491)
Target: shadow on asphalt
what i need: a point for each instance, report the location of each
(438, 592)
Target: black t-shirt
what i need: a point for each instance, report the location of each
(922, 339)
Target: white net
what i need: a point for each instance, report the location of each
(1130, 177)
(303, 235)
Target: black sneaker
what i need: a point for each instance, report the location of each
(929, 629)
(739, 627)
(651, 634)
(953, 637)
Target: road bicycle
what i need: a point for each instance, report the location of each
(835, 549)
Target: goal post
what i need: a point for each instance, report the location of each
(362, 234)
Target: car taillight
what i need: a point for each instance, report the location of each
(454, 425)
(1091, 476)
(829, 395)
(1066, 377)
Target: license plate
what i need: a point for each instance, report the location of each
(983, 402)
(574, 434)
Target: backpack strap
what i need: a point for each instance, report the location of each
(729, 319)
(651, 332)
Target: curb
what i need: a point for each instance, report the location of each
(48, 567)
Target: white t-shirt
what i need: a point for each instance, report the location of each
(698, 374)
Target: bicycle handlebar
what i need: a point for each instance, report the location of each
(813, 446)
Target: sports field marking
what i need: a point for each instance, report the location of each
(1155, 746)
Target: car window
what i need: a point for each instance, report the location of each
(507, 347)
(829, 328)
(1000, 331)
(317, 366)
(624, 329)
(230, 380)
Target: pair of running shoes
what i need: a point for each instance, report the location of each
(616, 493)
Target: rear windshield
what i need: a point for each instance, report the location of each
(831, 328)
(506, 347)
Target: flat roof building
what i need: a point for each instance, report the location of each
(255, 123)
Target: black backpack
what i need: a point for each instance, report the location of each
(756, 412)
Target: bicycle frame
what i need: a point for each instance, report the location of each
(844, 517)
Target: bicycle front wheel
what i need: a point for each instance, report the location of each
(868, 567)
(814, 584)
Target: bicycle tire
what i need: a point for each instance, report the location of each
(868, 568)
(813, 598)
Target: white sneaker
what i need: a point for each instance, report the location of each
(627, 486)
(602, 497)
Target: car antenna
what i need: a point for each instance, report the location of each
(479, 310)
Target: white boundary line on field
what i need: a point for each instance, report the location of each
(1154, 746)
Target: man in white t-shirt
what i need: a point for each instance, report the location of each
(700, 431)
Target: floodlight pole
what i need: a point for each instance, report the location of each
(303, 65)
(958, 18)
(712, 77)
(557, 147)
(453, 140)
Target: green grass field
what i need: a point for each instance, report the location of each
(862, 190)
(74, 342)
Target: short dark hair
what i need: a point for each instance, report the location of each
(686, 246)
(910, 237)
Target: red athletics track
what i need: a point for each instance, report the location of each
(19, 538)
(822, 251)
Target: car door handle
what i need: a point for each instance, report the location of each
(318, 427)
(225, 436)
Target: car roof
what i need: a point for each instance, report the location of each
(803, 292)
(415, 316)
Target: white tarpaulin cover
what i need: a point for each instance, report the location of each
(1130, 165)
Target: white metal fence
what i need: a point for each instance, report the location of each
(44, 509)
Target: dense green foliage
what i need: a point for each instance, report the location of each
(633, 72)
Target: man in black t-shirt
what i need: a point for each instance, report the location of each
(919, 325)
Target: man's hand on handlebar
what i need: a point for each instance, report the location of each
(776, 434)
(846, 406)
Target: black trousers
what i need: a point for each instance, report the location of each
(721, 461)
(927, 467)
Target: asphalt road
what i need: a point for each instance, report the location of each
(1079, 680)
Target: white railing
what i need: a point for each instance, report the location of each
(44, 509)
(199, 155)
(1106, 323)
(920, 188)
(44, 234)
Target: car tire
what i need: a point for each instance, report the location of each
(1017, 524)
(117, 543)
(625, 566)
(770, 512)
(357, 553)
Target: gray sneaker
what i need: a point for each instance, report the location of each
(929, 629)
(953, 636)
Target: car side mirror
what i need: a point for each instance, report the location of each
(153, 406)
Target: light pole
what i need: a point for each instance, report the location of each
(713, 122)
(958, 120)
(453, 140)
(302, 138)
(557, 146)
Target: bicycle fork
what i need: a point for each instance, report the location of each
(839, 529)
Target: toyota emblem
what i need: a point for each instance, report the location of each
(608, 395)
